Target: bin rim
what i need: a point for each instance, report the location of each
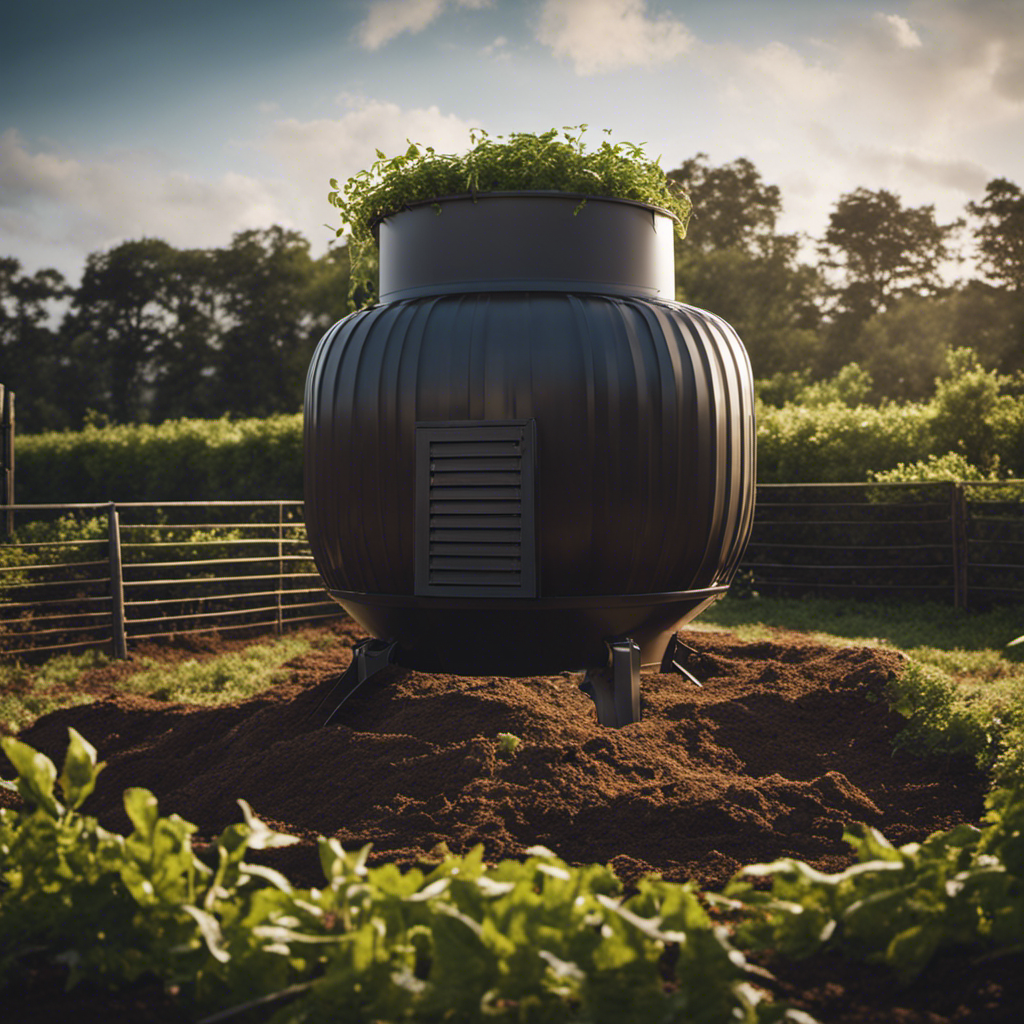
(553, 193)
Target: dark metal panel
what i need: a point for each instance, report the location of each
(548, 244)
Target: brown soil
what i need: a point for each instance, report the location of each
(785, 745)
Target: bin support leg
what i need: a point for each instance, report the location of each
(616, 689)
(674, 656)
(368, 658)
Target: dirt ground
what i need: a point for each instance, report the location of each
(784, 745)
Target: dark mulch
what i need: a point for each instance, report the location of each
(784, 746)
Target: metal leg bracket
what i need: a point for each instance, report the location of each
(368, 658)
(616, 689)
(674, 655)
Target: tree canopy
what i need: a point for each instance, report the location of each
(152, 332)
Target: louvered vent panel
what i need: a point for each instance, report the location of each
(475, 509)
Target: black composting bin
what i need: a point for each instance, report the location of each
(528, 458)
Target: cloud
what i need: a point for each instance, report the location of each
(787, 76)
(928, 104)
(310, 153)
(126, 194)
(899, 30)
(609, 35)
(56, 208)
(498, 48)
(964, 69)
(386, 19)
(895, 166)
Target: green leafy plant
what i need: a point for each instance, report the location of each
(896, 906)
(533, 940)
(507, 743)
(551, 161)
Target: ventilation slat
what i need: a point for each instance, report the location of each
(442, 492)
(465, 465)
(449, 450)
(475, 509)
(441, 478)
(478, 508)
(467, 535)
(473, 563)
(475, 522)
(507, 550)
(482, 579)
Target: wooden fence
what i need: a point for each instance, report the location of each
(87, 575)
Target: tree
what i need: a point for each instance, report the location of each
(734, 262)
(185, 356)
(879, 252)
(119, 317)
(906, 347)
(31, 362)
(326, 298)
(1000, 235)
(732, 206)
(265, 277)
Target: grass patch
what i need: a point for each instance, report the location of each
(906, 626)
(221, 680)
(963, 689)
(29, 691)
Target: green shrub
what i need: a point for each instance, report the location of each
(826, 435)
(177, 460)
(836, 443)
(963, 409)
(850, 386)
(951, 466)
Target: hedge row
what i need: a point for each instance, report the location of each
(178, 460)
(257, 459)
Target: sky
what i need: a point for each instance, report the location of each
(194, 119)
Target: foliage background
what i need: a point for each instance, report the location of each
(170, 373)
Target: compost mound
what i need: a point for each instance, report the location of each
(785, 745)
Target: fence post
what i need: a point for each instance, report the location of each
(280, 565)
(958, 526)
(116, 583)
(7, 456)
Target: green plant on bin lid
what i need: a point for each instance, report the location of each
(522, 161)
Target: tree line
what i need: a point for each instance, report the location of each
(877, 303)
(153, 333)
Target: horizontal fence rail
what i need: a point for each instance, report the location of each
(88, 575)
(961, 542)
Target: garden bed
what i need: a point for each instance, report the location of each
(785, 745)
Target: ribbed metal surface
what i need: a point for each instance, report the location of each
(645, 435)
(475, 510)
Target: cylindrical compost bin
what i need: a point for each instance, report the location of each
(528, 450)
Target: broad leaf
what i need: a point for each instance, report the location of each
(78, 778)
(36, 775)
